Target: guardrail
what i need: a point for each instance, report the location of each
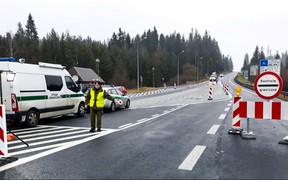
(284, 93)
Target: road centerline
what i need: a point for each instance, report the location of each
(191, 160)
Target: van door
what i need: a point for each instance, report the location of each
(75, 96)
(56, 91)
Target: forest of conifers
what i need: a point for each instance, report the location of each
(159, 54)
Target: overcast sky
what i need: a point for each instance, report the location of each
(237, 25)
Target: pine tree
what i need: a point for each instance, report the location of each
(21, 50)
(31, 30)
(246, 63)
(32, 41)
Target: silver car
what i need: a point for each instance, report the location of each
(121, 100)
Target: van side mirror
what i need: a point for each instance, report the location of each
(78, 88)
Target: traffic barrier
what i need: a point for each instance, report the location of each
(226, 88)
(3, 132)
(4, 159)
(210, 94)
(263, 110)
(236, 120)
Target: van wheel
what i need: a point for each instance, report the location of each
(112, 107)
(81, 110)
(32, 118)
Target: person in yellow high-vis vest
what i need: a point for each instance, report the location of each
(95, 98)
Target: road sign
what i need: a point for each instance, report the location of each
(268, 85)
(253, 70)
(274, 65)
(270, 65)
(263, 65)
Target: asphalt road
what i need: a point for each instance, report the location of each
(177, 134)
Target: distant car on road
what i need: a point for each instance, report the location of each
(122, 89)
(121, 100)
(213, 80)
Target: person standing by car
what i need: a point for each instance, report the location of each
(95, 98)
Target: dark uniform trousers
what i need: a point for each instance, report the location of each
(98, 112)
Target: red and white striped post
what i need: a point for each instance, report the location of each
(3, 132)
(236, 121)
(226, 88)
(210, 95)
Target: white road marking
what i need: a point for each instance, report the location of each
(52, 140)
(190, 161)
(222, 116)
(46, 133)
(51, 151)
(226, 109)
(140, 120)
(155, 115)
(229, 104)
(213, 129)
(46, 137)
(125, 125)
(37, 149)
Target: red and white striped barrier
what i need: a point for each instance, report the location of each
(263, 110)
(236, 121)
(3, 132)
(226, 88)
(210, 95)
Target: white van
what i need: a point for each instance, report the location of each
(31, 92)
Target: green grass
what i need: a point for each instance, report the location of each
(143, 89)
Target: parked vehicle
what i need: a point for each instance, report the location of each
(31, 92)
(121, 100)
(213, 80)
(122, 89)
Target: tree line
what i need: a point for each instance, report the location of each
(259, 54)
(156, 55)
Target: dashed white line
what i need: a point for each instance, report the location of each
(226, 109)
(213, 129)
(125, 125)
(222, 116)
(155, 115)
(140, 120)
(190, 161)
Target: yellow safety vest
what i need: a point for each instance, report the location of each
(99, 100)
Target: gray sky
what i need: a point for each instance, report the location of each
(237, 25)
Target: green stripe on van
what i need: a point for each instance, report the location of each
(76, 95)
(71, 95)
(31, 98)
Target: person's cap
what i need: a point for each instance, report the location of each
(95, 81)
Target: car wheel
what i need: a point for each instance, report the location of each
(113, 107)
(81, 110)
(32, 118)
(127, 104)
